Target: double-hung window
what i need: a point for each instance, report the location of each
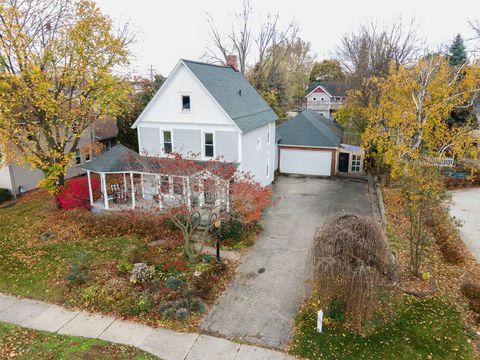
(356, 163)
(78, 157)
(209, 150)
(167, 142)
(88, 157)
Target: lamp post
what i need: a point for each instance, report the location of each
(217, 224)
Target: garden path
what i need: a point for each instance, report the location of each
(261, 301)
(166, 344)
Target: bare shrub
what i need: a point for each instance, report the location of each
(352, 266)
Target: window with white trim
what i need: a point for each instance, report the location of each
(78, 157)
(186, 106)
(209, 147)
(356, 163)
(88, 157)
(167, 142)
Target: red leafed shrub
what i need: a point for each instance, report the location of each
(248, 199)
(75, 193)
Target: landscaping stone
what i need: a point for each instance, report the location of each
(168, 345)
(157, 243)
(212, 348)
(87, 325)
(6, 301)
(126, 332)
(22, 311)
(53, 318)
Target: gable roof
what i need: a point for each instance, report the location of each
(309, 128)
(234, 94)
(333, 88)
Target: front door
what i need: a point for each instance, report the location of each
(343, 162)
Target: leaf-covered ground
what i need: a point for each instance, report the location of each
(20, 343)
(34, 267)
(428, 328)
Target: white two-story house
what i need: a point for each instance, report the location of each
(325, 97)
(210, 112)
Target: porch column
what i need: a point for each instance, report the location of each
(170, 183)
(159, 191)
(227, 194)
(188, 192)
(143, 188)
(218, 194)
(124, 185)
(133, 190)
(90, 193)
(103, 184)
(201, 193)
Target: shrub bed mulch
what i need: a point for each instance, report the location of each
(39, 245)
(450, 268)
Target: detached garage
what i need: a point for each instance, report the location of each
(308, 144)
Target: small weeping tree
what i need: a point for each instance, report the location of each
(352, 268)
(199, 195)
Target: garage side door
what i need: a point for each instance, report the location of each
(305, 162)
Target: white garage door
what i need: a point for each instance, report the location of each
(305, 162)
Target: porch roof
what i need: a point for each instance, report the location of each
(121, 159)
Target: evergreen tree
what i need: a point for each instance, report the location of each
(457, 54)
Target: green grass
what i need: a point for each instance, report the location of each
(429, 328)
(21, 343)
(31, 267)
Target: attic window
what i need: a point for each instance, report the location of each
(185, 102)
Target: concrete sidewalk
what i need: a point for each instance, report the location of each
(166, 344)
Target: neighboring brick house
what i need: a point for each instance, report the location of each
(21, 178)
(325, 97)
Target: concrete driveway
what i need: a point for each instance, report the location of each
(466, 207)
(259, 304)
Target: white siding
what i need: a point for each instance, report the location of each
(186, 141)
(5, 179)
(254, 161)
(166, 106)
(227, 145)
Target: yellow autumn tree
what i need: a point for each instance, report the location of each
(57, 61)
(409, 123)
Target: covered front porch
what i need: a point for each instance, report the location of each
(130, 181)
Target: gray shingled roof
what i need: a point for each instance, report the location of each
(122, 159)
(310, 129)
(334, 88)
(234, 94)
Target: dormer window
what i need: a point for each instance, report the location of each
(186, 103)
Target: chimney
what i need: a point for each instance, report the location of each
(232, 61)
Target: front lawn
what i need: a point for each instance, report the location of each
(85, 260)
(20, 343)
(429, 328)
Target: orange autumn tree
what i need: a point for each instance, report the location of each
(57, 60)
(410, 121)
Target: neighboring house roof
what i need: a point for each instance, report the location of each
(122, 159)
(106, 129)
(309, 128)
(333, 88)
(234, 94)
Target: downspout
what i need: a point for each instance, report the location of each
(12, 181)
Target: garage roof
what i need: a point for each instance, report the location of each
(309, 128)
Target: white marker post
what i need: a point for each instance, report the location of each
(319, 321)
